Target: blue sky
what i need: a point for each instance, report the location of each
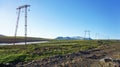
(52, 18)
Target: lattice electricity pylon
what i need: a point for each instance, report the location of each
(87, 32)
(19, 10)
(97, 36)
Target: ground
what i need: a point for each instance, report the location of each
(87, 57)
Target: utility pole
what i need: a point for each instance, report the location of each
(87, 32)
(96, 36)
(17, 25)
(19, 10)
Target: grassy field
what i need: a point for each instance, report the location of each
(25, 53)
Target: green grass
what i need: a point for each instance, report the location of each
(25, 53)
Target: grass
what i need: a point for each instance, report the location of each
(25, 53)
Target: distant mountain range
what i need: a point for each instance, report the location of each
(73, 38)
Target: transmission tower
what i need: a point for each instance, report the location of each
(17, 23)
(96, 36)
(87, 34)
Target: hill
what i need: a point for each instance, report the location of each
(11, 39)
(73, 38)
(1, 35)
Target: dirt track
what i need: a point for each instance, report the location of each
(89, 58)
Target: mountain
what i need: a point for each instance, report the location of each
(1, 35)
(73, 38)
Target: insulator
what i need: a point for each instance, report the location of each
(28, 9)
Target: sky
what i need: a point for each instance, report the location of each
(53, 18)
